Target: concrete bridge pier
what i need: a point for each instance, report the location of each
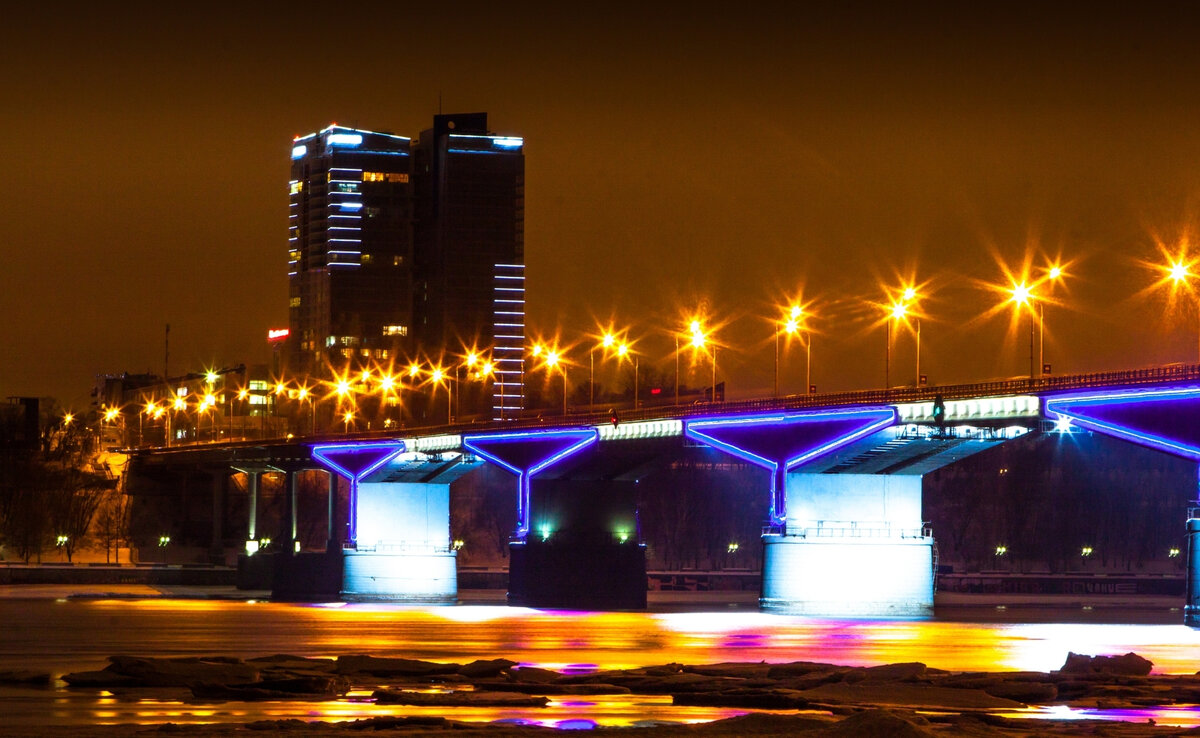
(583, 549)
(577, 544)
(1191, 608)
(398, 544)
(855, 544)
(302, 576)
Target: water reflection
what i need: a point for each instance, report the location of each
(79, 635)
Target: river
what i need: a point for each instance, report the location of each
(64, 634)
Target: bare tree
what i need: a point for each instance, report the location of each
(112, 524)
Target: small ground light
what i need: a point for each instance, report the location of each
(544, 531)
(62, 541)
(733, 547)
(1173, 553)
(1001, 550)
(1085, 551)
(163, 540)
(457, 545)
(1062, 424)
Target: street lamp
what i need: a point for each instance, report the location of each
(554, 360)
(624, 351)
(791, 326)
(1180, 274)
(607, 341)
(1022, 296)
(1053, 274)
(896, 313)
(436, 376)
(700, 339)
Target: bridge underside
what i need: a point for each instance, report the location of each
(855, 542)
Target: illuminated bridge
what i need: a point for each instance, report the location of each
(844, 534)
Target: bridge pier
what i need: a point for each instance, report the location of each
(583, 549)
(1191, 609)
(402, 551)
(855, 544)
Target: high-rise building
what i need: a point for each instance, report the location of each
(350, 251)
(410, 251)
(469, 256)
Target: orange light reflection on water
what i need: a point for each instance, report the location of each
(589, 640)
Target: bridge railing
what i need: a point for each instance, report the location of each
(530, 419)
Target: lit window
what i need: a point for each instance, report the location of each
(372, 176)
(257, 384)
(397, 261)
(345, 187)
(331, 340)
(348, 340)
(347, 352)
(294, 302)
(296, 187)
(366, 353)
(366, 258)
(397, 177)
(395, 330)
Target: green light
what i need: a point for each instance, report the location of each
(622, 535)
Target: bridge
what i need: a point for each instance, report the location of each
(844, 532)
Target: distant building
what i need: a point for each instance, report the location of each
(349, 248)
(470, 248)
(403, 251)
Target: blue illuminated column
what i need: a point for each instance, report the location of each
(839, 544)
(1166, 419)
(527, 453)
(779, 442)
(355, 461)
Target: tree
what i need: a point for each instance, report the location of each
(112, 524)
(72, 497)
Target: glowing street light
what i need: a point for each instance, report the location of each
(790, 325)
(1179, 275)
(895, 313)
(1053, 275)
(1022, 296)
(608, 342)
(553, 359)
(698, 338)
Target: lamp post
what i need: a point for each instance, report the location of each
(1022, 296)
(895, 313)
(607, 341)
(623, 352)
(554, 360)
(790, 326)
(1180, 275)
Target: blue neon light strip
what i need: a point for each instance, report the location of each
(885, 417)
(320, 453)
(585, 437)
(1052, 410)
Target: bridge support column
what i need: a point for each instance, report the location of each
(252, 504)
(331, 544)
(583, 549)
(216, 548)
(403, 550)
(855, 544)
(1191, 609)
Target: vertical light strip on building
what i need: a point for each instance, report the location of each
(508, 332)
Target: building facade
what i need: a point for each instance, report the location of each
(406, 252)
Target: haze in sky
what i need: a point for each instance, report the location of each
(716, 159)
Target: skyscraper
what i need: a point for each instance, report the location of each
(350, 251)
(469, 260)
(410, 251)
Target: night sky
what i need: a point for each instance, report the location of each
(702, 158)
